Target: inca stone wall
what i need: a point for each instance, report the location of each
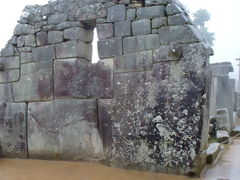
(142, 106)
(222, 96)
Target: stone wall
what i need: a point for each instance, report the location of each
(223, 93)
(142, 106)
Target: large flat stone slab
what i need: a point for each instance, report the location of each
(64, 129)
(13, 130)
(36, 82)
(153, 118)
(76, 78)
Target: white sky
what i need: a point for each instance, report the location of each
(224, 23)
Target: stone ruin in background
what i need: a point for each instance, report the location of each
(142, 106)
(223, 102)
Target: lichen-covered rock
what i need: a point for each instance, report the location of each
(143, 106)
(75, 78)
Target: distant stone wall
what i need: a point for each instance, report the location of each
(143, 106)
(222, 91)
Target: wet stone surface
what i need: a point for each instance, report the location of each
(13, 130)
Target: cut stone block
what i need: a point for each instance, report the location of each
(173, 8)
(6, 92)
(178, 19)
(35, 83)
(75, 78)
(141, 27)
(55, 37)
(44, 53)
(8, 50)
(223, 120)
(30, 40)
(13, 130)
(116, 13)
(78, 33)
(89, 12)
(9, 75)
(212, 153)
(72, 49)
(10, 62)
(23, 29)
(150, 12)
(180, 34)
(156, 2)
(159, 22)
(131, 14)
(72, 133)
(122, 28)
(26, 57)
(109, 48)
(222, 136)
(42, 38)
(105, 31)
(140, 61)
(140, 43)
(57, 18)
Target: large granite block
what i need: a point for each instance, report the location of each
(44, 53)
(139, 61)
(122, 28)
(10, 62)
(72, 49)
(141, 27)
(6, 92)
(13, 130)
(23, 29)
(151, 12)
(70, 134)
(55, 37)
(78, 33)
(35, 83)
(42, 38)
(105, 31)
(75, 78)
(109, 48)
(57, 18)
(140, 43)
(89, 12)
(156, 2)
(178, 19)
(180, 34)
(153, 118)
(9, 75)
(116, 13)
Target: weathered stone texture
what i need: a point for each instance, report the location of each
(152, 126)
(110, 47)
(72, 49)
(180, 34)
(78, 33)
(71, 134)
(116, 13)
(140, 43)
(44, 53)
(139, 61)
(105, 31)
(75, 78)
(35, 84)
(13, 130)
(142, 106)
(150, 12)
(141, 27)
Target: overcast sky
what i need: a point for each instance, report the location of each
(224, 23)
